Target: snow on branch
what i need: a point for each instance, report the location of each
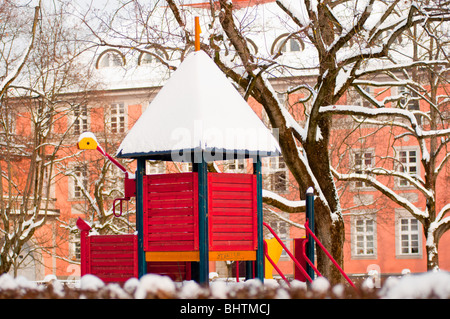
(384, 190)
(370, 112)
(443, 211)
(282, 203)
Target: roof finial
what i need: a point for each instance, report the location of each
(197, 34)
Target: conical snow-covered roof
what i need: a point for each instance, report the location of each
(198, 111)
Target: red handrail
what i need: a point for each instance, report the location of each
(308, 260)
(309, 231)
(274, 264)
(289, 253)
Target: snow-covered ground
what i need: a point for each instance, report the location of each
(420, 286)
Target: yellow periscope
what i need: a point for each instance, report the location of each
(87, 141)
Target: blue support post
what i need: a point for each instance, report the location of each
(259, 267)
(140, 172)
(202, 169)
(310, 218)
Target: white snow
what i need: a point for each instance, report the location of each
(284, 201)
(151, 283)
(409, 286)
(320, 285)
(91, 282)
(432, 284)
(198, 108)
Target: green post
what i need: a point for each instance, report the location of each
(202, 169)
(310, 217)
(140, 172)
(259, 267)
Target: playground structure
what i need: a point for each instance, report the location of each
(185, 220)
(171, 240)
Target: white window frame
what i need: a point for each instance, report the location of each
(276, 168)
(110, 59)
(282, 229)
(155, 167)
(118, 117)
(8, 120)
(152, 58)
(409, 98)
(355, 98)
(364, 231)
(361, 164)
(81, 171)
(81, 119)
(236, 165)
(404, 164)
(405, 234)
(75, 245)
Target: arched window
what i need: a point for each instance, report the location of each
(110, 58)
(287, 43)
(252, 46)
(152, 57)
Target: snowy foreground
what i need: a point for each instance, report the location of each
(422, 286)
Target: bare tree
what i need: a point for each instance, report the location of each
(33, 132)
(419, 112)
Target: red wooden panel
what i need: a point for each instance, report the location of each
(232, 211)
(172, 203)
(113, 258)
(176, 211)
(235, 195)
(230, 203)
(169, 195)
(177, 271)
(170, 212)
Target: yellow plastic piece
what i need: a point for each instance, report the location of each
(274, 250)
(195, 255)
(87, 141)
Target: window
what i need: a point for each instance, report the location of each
(287, 43)
(117, 118)
(409, 236)
(80, 124)
(281, 228)
(362, 161)
(109, 59)
(237, 165)
(153, 57)
(155, 167)
(80, 181)
(76, 246)
(282, 98)
(278, 175)
(355, 98)
(187, 167)
(7, 119)
(409, 99)
(364, 237)
(407, 163)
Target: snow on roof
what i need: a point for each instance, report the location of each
(198, 109)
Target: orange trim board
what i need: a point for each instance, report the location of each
(195, 255)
